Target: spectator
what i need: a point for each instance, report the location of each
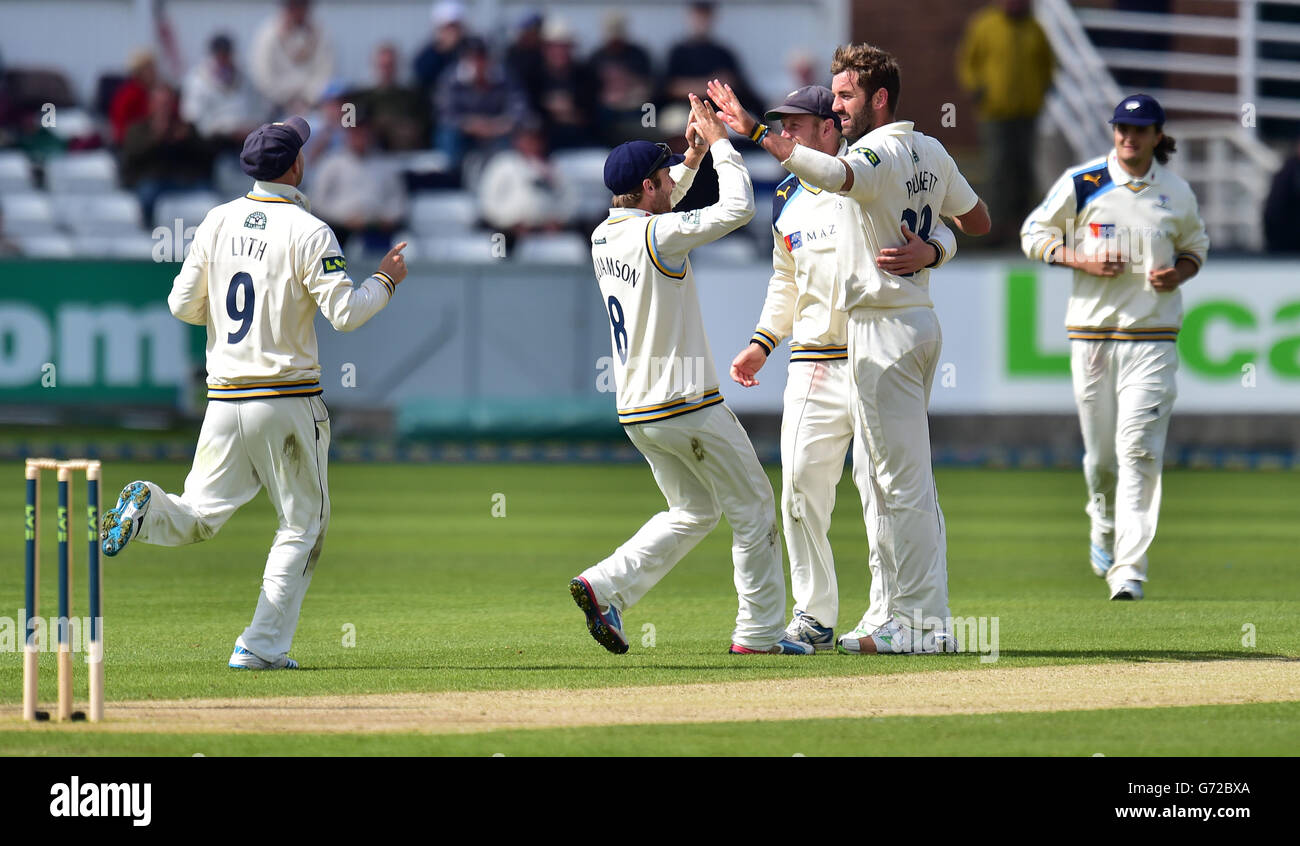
(162, 153)
(698, 59)
(567, 90)
(625, 81)
(219, 99)
(477, 104)
(359, 194)
(1005, 62)
(292, 59)
(328, 122)
(443, 50)
(520, 192)
(398, 116)
(130, 102)
(524, 57)
(1282, 208)
(803, 72)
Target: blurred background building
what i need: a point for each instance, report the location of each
(477, 131)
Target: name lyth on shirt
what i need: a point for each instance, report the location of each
(251, 247)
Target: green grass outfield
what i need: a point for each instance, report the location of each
(441, 595)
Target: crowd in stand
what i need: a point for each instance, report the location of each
(461, 113)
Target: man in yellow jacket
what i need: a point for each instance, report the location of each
(1005, 62)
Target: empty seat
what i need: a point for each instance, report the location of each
(15, 172)
(190, 208)
(116, 213)
(560, 248)
(93, 172)
(28, 214)
(441, 211)
(465, 248)
(46, 246)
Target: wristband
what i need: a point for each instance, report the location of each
(759, 133)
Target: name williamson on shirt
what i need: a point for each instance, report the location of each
(607, 266)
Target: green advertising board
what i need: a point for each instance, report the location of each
(93, 333)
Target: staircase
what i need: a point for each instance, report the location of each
(1219, 151)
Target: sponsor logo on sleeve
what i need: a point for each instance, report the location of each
(334, 264)
(869, 154)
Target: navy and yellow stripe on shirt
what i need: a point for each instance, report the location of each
(261, 198)
(765, 339)
(386, 281)
(264, 390)
(831, 352)
(679, 273)
(672, 408)
(1114, 333)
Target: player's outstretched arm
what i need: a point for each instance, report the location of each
(812, 166)
(345, 305)
(675, 235)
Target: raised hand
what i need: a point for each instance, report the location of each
(730, 111)
(394, 264)
(706, 122)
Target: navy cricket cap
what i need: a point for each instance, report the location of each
(272, 148)
(810, 100)
(1139, 110)
(633, 161)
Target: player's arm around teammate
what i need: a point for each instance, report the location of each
(1129, 229)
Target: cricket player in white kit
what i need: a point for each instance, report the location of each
(817, 422)
(258, 269)
(891, 176)
(668, 398)
(1130, 230)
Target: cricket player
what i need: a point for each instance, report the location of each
(817, 423)
(668, 399)
(891, 175)
(258, 269)
(1129, 228)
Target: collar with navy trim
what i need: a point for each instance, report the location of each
(278, 191)
(625, 212)
(1120, 176)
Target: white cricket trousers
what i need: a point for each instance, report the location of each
(893, 355)
(816, 432)
(1125, 391)
(281, 444)
(706, 467)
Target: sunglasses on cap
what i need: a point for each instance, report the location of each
(664, 153)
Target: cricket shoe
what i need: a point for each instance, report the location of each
(123, 521)
(1100, 560)
(242, 659)
(806, 629)
(893, 638)
(1128, 590)
(606, 626)
(781, 647)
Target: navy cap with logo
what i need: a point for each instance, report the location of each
(632, 161)
(1139, 110)
(810, 100)
(272, 148)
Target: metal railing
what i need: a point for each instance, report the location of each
(1227, 166)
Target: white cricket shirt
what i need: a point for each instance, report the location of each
(257, 270)
(1149, 222)
(662, 363)
(807, 234)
